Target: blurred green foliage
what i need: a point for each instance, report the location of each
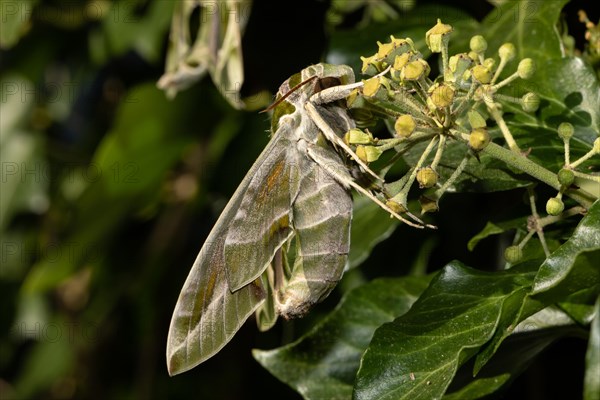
(109, 189)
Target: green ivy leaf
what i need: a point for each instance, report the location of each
(516, 310)
(491, 229)
(416, 355)
(573, 291)
(479, 388)
(529, 25)
(519, 350)
(323, 363)
(563, 261)
(570, 92)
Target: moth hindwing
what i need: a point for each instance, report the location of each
(285, 233)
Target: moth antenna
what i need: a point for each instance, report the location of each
(285, 96)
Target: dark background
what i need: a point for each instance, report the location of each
(101, 333)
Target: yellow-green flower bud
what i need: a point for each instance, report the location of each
(479, 139)
(458, 64)
(566, 177)
(370, 65)
(554, 206)
(352, 97)
(530, 102)
(399, 46)
(513, 254)
(473, 56)
(414, 70)
(476, 120)
(507, 52)
(368, 153)
(526, 68)
(478, 44)
(442, 95)
(438, 36)
(481, 74)
(427, 177)
(406, 44)
(371, 86)
(489, 63)
(357, 136)
(565, 131)
(395, 206)
(405, 125)
(401, 60)
(384, 49)
(466, 75)
(428, 204)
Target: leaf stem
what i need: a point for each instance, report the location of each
(538, 228)
(438, 193)
(505, 81)
(401, 197)
(582, 175)
(551, 219)
(587, 156)
(566, 142)
(439, 152)
(497, 115)
(538, 172)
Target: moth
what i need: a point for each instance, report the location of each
(282, 242)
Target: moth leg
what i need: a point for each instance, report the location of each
(339, 92)
(335, 139)
(334, 93)
(338, 171)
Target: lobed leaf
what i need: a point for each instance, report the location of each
(564, 260)
(416, 355)
(323, 363)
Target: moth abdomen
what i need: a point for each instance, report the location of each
(298, 300)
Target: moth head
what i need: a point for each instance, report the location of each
(315, 78)
(299, 87)
(331, 75)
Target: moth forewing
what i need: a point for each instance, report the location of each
(297, 193)
(263, 220)
(208, 313)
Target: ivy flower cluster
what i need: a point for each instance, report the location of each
(458, 105)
